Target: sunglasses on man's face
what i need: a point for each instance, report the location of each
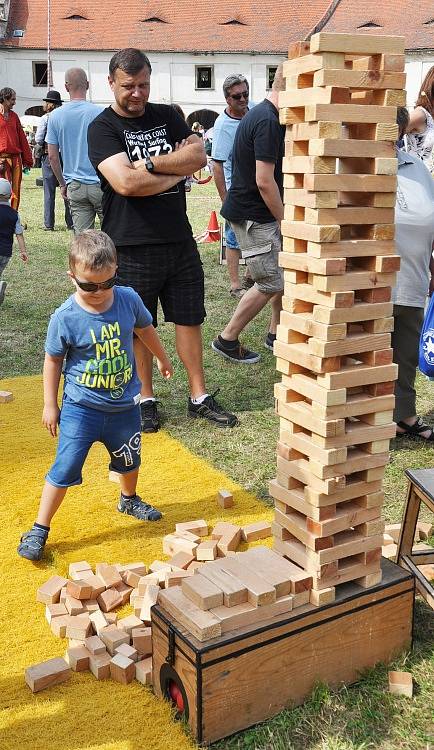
(241, 95)
(89, 286)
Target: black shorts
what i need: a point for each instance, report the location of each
(171, 273)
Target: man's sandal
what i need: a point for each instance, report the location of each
(414, 431)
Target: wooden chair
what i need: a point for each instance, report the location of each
(420, 490)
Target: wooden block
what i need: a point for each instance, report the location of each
(91, 605)
(311, 232)
(99, 665)
(108, 574)
(188, 535)
(97, 584)
(74, 606)
(224, 528)
(325, 596)
(49, 592)
(150, 598)
(401, 683)
(393, 530)
(122, 669)
(79, 626)
(54, 610)
(300, 197)
(225, 499)
(46, 674)
(95, 645)
(357, 44)
(308, 164)
(109, 599)
(126, 650)
(258, 530)
(234, 591)
(137, 568)
(350, 183)
(78, 658)
(173, 544)
(79, 589)
(389, 551)
(113, 637)
(6, 397)
(207, 550)
(98, 620)
(203, 592)
(176, 578)
(259, 591)
(229, 542)
(309, 63)
(58, 625)
(144, 671)
(125, 591)
(246, 614)
(79, 567)
(201, 624)
(131, 578)
(129, 623)
(153, 579)
(195, 565)
(274, 569)
(425, 529)
(355, 79)
(199, 527)
(142, 640)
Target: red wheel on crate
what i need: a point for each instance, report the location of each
(176, 695)
(201, 177)
(173, 689)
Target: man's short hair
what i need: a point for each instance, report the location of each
(130, 60)
(6, 93)
(94, 250)
(233, 80)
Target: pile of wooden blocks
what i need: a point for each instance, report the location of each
(336, 400)
(233, 592)
(424, 531)
(81, 609)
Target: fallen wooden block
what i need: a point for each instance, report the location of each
(108, 574)
(54, 610)
(234, 591)
(98, 620)
(153, 579)
(122, 669)
(202, 625)
(129, 651)
(99, 665)
(97, 584)
(259, 591)
(58, 625)
(247, 614)
(125, 591)
(78, 626)
(129, 623)
(253, 531)
(132, 572)
(91, 605)
(112, 638)
(49, 592)
(144, 671)
(175, 578)
(207, 550)
(387, 539)
(425, 530)
(149, 599)
(79, 567)
(95, 645)
(142, 640)
(225, 499)
(195, 565)
(182, 559)
(74, 606)
(389, 552)
(203, 592)
(52, 672)
(229, 542)
(199, 527)
(325, 596)
(109, 599)
(6, 397)
(78, 658)
(224, 528)
(173, 544)
(401, 683)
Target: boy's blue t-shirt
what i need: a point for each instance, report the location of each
(99, 366)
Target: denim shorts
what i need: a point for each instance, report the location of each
(260, 246)
(230, 239)
(81, 427)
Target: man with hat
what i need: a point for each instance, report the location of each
(52, 101)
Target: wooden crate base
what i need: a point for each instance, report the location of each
(248, 675)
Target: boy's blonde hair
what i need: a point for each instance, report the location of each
(94, 250)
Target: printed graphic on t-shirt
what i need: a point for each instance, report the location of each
(141, 144)
(110, 368)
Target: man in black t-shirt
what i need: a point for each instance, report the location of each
(142, 152)
(254, 208)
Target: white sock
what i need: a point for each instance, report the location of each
(146, 398)
(199, 399)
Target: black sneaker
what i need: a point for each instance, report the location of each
(235, 352)
(269, 341)
(212, 411)
(137, 508)
(32, 544)
(149, 416)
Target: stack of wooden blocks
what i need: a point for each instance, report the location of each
(336, 400)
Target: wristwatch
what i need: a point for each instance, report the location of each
(149, 164)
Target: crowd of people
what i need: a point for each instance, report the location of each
(127, 164)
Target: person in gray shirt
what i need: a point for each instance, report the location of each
(414, 236)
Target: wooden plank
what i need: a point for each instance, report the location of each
(234, 592)
(349, 215)
(354, 343)
(354, 488)
(357, 433)
(259, 592)
(245, 614)
(303, 323)
(304, 262)
(360, 311)
(353, 375)
(357, 44)
(203, 592)
(351, 183)
(299, 354)
(306, 292)
(359, 79)
(349, 147)
(311, 232)
(359, 248)
(301, 413)
(353, 280)
(356, 461)
(300, 197)
(299, 470)
(274, 569)
(310, 63)
(309, 164)
(349, 113)
(356, 405)
(308, 387)
(203, 625)
(326, 95)
(305, 131)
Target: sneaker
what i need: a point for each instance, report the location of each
(212, 411)
(237, 293)
(3, 286)
(137, 508)
(149, 416)
(269, 341)
(32, 544)
(235, 353)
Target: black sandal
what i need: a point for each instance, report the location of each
(415, 430)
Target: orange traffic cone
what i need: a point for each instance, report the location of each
(212, 233)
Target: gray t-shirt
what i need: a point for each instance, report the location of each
(414, 217)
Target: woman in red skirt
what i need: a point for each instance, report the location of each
(15, 151)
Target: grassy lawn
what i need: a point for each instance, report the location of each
(356, 718)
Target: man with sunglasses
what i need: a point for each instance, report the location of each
(142, 151)
(236, 93)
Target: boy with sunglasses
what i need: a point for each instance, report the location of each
(90, 338)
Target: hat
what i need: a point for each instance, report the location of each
(5, 189)
(53, 96)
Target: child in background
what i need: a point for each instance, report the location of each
(90, 338)
(9, 226)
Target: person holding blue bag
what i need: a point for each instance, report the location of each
(414, 235)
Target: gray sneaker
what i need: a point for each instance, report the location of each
(137, 508)
(3, 286)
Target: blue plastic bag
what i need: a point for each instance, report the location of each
(426, 343)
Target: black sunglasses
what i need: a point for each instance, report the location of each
(89, 286)
(241, 95)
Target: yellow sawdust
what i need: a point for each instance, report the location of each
(83, 714)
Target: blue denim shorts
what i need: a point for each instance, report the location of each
(230, 239)
(81, 427)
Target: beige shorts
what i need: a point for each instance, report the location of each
(260, 245)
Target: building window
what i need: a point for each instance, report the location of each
(271, 72)
(204, 76)
(40, 77)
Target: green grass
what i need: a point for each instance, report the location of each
(356, 718)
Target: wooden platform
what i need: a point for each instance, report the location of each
(246, 676)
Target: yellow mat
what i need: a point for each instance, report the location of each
(82, 713)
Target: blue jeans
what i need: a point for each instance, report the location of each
(81, 427)
(230, 239)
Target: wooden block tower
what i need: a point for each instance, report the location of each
(336, 400)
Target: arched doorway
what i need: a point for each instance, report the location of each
(38, 111)
(206, 117)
